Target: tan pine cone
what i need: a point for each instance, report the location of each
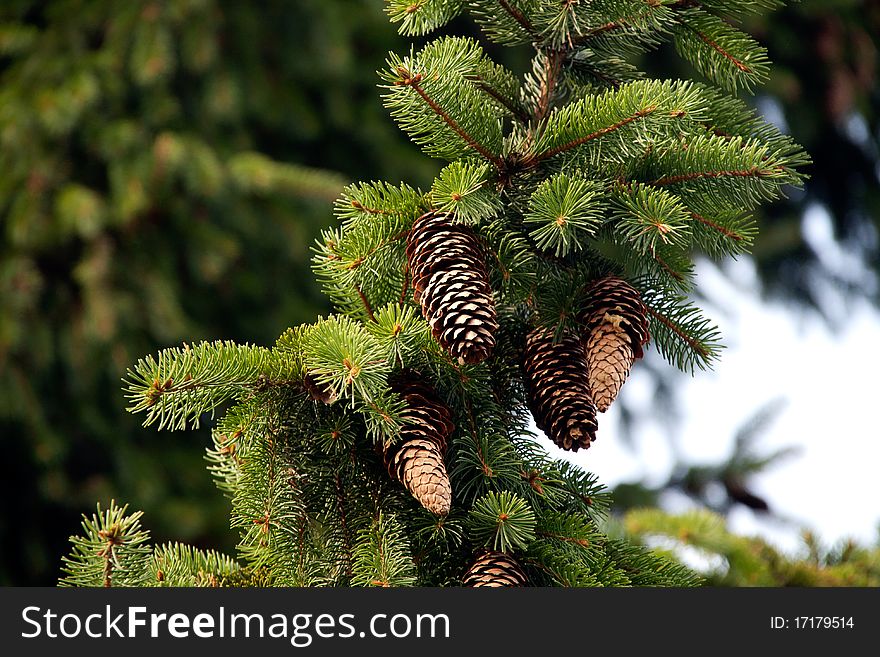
(418, 465)
(558, 389)
(451, 282)
(495, 569)
(615, 322)
(417, 458)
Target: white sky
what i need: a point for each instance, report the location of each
(827, 377)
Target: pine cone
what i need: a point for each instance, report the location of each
(616, 326)
(495, 569)
(558, 389)
(451, 282)
(416, 459)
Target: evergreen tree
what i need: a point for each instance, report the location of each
(388, 443)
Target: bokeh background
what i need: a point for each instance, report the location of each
(166, 166)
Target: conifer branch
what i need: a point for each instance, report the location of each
(691, 342)
(580, 542)
(357, 205)
(474, 434)
(515, 110)
(366, 303)
(716, 47)
(594, 135)
(555, 189)
(406, 276)
(665, 266)
(753, 172)
(520, 18)
(607, 79)
(549, 80)
(721, 229)
(619, 24)
(107, 555)
(413, 81)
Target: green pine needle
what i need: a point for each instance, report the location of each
(418, 17)
(113, 551)
(465, 189)
(563, 211)
(502, 521)
(382, 556)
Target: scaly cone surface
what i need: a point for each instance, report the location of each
(451, 283)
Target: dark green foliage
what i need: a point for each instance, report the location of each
(165, 168)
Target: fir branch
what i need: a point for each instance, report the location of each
(340, 354)
(258, 174)
(730, 8)
(113, 551)
(563, 212)
(714, 226)
(382, 555)
(178, 565)
(717, 48)
(682, 335)
(509, 104)
(580, 542)
(502, 521)
(464, 188)
(665, 266)
(719, 51)
(549, 79)
(691, 341)
(646, 216)
(413, 81)
(632, 24)
(751, 172)
(432, 98)
(721, 172)
(730, 231)
(593, 135)
(182, 384)
(626, 120)
(366, 303)
(418, 17)
(520, 18)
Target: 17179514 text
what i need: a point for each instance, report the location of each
(812, 622)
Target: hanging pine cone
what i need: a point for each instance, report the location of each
(416, 459)
(558, 389)
(494, 569)
(616, 327)
(451, 282)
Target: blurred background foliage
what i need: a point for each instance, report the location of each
(165, 167)
(701, 539)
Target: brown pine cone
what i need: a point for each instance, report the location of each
(451, 282)
(416, 459)
(494, 569)
(615, 324)
(558, 389)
